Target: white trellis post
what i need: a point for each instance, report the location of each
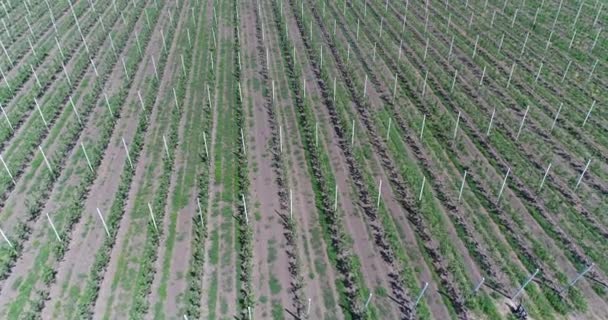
(365, 87)
(423, 123)
(483, 74)
(352, 135)
(456, 126)
(521, 125)
(6, 117)
(475, 49)
(103, 221)
(281, 139)
(53, 227)
(152, 217)
(7, 170)
(245, 209)
(538, 73)
(592, 70)
(317, 134)
(166, 147)
(578, 277)
(40, 112)
(556, 115)
(388, 130)
(588, 113)
(10, 244)
(504, 182)
(572, 40)
(510, 75)
(582, 174)
(205, 143)
(421, 294)
(523, 286)
(336, 199)
(334, 97)
(424, 85)
(48, 164)
(36, 76)
(395, 88)
(369, 299)
(308, 308)
(454, 80)
(422, 188)
(75, 111)
(200, 212)
(86, 156)
(379, 194)
(544, 177)
(154, 66)
(478, 286)
(290, 204)
(243, 142)
(464, 178)
(105, 96)
(124, 144)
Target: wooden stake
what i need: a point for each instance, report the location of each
(105, 226)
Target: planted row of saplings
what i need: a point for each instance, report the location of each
(38, 128)
(341, 256)
(194, 290)
(540, 169)
(406, 201)
(17, 113)
(355, 164)
(467, 232)
(560, 43)
(244, 231)
(528, 155)
(27, 60)
(521, 99)
(278, 166)
(19, 47)
(114, 216)
(47, 179)
(70, 213)
(542, 96)
(139, 306)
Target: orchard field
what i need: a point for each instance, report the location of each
(303, 159)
